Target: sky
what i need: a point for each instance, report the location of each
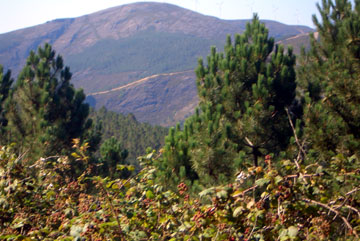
(16, 14)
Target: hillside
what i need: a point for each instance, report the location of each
(272, 153)
(176, 100)
(117, 46)
(134, 136)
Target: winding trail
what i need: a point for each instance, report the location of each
(293, 37)
(136, 82)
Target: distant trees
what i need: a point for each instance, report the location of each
(244, 94)
(45, 112)
(133, 135)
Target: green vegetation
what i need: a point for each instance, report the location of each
(296, 157)
(44, 111)
(5, 85)
(112, 155)
(289, 205)
(244, 97)
(330, 76)
(132, 135)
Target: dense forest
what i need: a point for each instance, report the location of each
(134, 136)
(271, 153)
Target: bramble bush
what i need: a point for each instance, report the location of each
(288, 201)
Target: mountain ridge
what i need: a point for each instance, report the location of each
(117, 46)
(71, 35)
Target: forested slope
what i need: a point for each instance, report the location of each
(272, 153)
(134, 136)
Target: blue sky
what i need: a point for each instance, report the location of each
(16, 14)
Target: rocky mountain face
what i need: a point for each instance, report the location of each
(136, 58)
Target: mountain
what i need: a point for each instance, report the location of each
(163, 98)
(153, 45)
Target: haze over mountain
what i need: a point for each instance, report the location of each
(136, 58)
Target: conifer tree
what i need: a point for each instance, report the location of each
(112, 155)
(330, 78)
(242, 117)
(46, 112)
(5, 85)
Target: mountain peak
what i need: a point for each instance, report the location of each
(114, 47)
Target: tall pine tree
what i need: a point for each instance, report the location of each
(46, 112)
(242, 117)
(330, 76)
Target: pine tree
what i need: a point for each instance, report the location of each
(46, 112)
(330, 79)
(242, 117)
(112, 154)
(5, 85)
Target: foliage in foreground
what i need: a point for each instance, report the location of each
(289, 202)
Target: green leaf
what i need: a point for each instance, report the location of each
(149, 194)
(139, 235)
(120, 167)
(293, 231)
(74, 154)
(319, 169)
(283, 233)
(222, 194)
(76, 230)
(238, 211)
(209, 233)
(110, 184)
(237, 193)
(278, 179)
(250, 204)
(340, 178)
(286, 163)
(206, 192)
(352, 158)
(262, 181)
(149, 156)
(131, 168)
